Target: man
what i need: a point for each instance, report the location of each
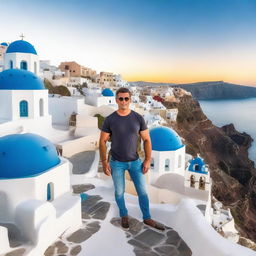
(124, 127)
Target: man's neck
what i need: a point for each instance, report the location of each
(122, 112)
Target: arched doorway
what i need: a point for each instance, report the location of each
(23, 108)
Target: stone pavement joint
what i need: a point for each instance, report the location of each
(78, 189)
(82, 161)
(148, 241)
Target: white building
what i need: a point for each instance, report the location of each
(168, 152)
(45, 65)
(197, 175)
(35, 191)
(3, 47)
(21, 54)
(119, 81)
(171, 114)
(23, 102)
(107, 97)
(168, 179)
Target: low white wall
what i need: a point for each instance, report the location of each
(36, 125)
(61, 108)
(30, 215)
(4, 247)
(156, 195)
(36, 220)
(198, 233)
(94, 167)
(72, 147)
(33, 187)
(86, 121)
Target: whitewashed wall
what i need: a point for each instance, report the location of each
(17, 57)
(34, 187)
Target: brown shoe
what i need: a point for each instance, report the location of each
(125, 222)
(154, 224)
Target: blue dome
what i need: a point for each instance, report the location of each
(19, 79)
(26, 155)
(21, 46)
(107, 93)
(4, 44)
(165, 139)
(197, 165)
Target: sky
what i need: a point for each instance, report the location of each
(172, 41)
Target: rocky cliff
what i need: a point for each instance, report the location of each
(225, 150)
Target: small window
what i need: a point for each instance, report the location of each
(35, 67)
(50, 192)
(167, 165)
(152, 164)
(24, 65)
(11, 64)
(196, 167)
(179, 161)
(41, 107)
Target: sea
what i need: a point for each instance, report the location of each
(240, 112)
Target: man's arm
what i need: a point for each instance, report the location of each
(147, 148)
(104, 136)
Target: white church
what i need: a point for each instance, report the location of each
(172, 177)
(23, 97)
(35, 192)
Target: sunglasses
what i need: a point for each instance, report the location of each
(122, 99)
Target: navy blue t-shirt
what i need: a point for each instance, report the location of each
(124, 132)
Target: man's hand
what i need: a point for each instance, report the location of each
(146, 166)
(106, 168)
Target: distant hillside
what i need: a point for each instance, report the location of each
(219, 90)
(213, 90)
(143, 83)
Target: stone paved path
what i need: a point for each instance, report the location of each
(151, 242)
(82, 162)
(145, 240)
(94, 210)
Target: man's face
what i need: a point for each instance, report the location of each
(123, 100)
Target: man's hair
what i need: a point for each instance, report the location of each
(123, 90)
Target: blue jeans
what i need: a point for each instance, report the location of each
(118, 175)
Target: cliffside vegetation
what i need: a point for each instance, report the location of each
(61, 90)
